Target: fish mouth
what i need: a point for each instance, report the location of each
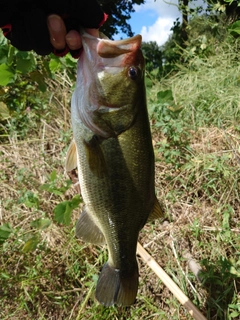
(104, 66)
(125, 51)
(111, 49)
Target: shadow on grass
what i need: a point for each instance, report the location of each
(223, 286)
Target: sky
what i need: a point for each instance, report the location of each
(154, 19)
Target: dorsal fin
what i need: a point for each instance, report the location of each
(71, 157)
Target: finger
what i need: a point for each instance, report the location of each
(73, 40)
(57, 31)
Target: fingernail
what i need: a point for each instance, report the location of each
(71, 41)
(55, 23)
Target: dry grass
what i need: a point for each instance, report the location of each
(56, 281)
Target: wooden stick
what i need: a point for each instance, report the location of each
(171, 285)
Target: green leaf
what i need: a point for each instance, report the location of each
(234, 314)
(63, 213)
(165, 96)
(63, 210)
(4, 48)
(70, 61)
(76, 200)
(11, 55)
(29, 199)
(234, 29)
(25, 65)
(148, 82)
(5, 275)
(5, 231)
(53, 188)
(25, 62)
(55, 64)
(31, 244)
(6, 75)
(41, 223)
(234, 271)
(4, 112)
(53, 175)
(39, 78)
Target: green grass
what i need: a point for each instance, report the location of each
(46, 273)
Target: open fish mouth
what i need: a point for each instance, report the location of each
(105, 65)
(111, 49)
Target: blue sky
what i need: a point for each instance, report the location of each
(143, 17)
(154, 19)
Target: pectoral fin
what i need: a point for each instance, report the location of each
(157, 212)
(71, 157)
(87, 230)
(95, 157)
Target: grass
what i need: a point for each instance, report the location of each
(46, 273)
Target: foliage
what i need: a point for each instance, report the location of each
(171, 50)
(166, 118)
(62, 211)
(119, 12)
(153, 58)
(205, 27)
(22, 74)
(45, 272)
(5, 232)
(230, 7)
(234, 29)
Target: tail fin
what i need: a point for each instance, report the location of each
(115, 288)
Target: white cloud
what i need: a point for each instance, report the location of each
(159, 31)
(166, 8)
(162, 8)
(167, 11)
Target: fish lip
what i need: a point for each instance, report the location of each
(137, 38)
(123, 42)
(107, 48)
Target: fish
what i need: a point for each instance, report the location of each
(112, 150)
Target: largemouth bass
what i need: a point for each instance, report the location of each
(113, 151)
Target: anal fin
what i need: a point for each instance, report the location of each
(87, 230)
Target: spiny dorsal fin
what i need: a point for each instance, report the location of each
(157, 212)
(71, 157)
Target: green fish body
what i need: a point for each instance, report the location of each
(115, 159)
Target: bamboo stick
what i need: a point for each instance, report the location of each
(171, 285)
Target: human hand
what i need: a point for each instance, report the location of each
(32, 26)
(60, 39)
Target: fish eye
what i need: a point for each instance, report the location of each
(133, 72)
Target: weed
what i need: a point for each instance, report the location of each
(46, 273)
